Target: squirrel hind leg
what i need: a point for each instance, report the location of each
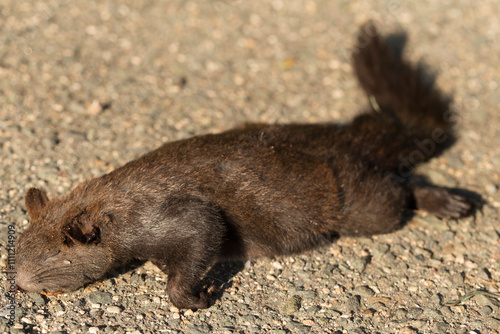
(442, 202)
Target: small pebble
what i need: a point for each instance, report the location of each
(485, 310)
(360, 263)
(491, 188)
(442, 327)
(100, 297)
(114, 309)
(414, 312)
(364, 291)
(292, 305)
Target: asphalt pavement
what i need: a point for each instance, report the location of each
(87, 86)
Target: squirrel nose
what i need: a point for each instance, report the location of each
(22, 282)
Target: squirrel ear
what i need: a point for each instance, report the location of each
(83, 229)
(35, 200)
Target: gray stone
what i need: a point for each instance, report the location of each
(37, 299)
(359, 264)
(414, 312)
(364, 291)
(198, 329)
(291, 305)
(100, 297)
(442, 327)
(485, 310)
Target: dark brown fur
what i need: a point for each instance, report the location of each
(257, 190)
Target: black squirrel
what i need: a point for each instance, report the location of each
(256, 190)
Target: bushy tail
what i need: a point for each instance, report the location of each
(410, 117)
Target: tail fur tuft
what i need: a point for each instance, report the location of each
(405, 103)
